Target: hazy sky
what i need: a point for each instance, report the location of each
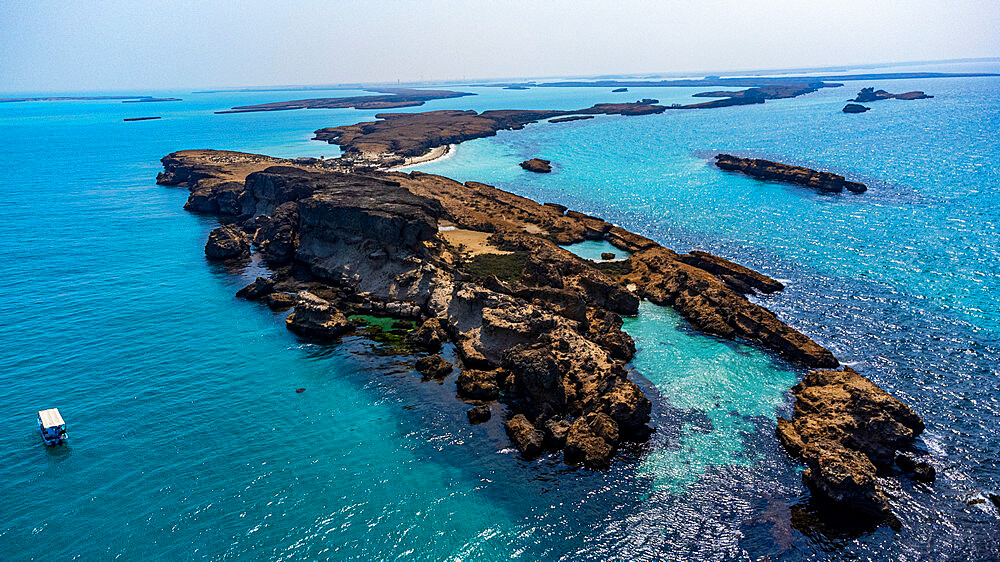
(48, 45)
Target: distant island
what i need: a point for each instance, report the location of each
(124, 99)
(867, 95)
(394, 97)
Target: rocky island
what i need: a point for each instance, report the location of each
(867, 95)
(393, 97)
(753, 95)
(775, 171)
(855, 108)
(537, 165)
(397, 136)
(534, 326)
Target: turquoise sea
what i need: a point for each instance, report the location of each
(188, 441)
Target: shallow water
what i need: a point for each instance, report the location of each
(187, 439)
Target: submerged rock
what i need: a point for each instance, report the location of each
(260, 288)
(316, 318)
(479, 414)
(924, 472)
(227, 242)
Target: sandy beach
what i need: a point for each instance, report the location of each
(435, 153)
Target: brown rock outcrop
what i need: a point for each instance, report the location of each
(428, 335)
(525, 436)
(738, 277)
(591, 441)
(433, 366)
(479, 385)
(227, 242)
(712, 306)
(537, 165)
(775, 171)
(316, 318)
(845, 427)
(277, 236)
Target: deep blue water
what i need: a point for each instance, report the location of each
(187, 439)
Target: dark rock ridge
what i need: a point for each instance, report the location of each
(619, 90)
(775, 171)
(753, 95)
(867, 95)
(141, 118)
(846, 428)
(148, 99)
(570, 118)
(855, 108)
(394, 97)
(537, 165)
(397, 136)
(546, 340)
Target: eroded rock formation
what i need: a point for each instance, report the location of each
(775, 171)
(846, 428)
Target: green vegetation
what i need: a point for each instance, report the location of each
(613, 268)
(507, 267)
(385, 330)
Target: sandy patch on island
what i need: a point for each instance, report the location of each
(469, 242)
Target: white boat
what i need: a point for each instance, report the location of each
(52, 426)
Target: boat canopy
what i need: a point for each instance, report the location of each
(51, 418)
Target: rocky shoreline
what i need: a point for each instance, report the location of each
(534, 327)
